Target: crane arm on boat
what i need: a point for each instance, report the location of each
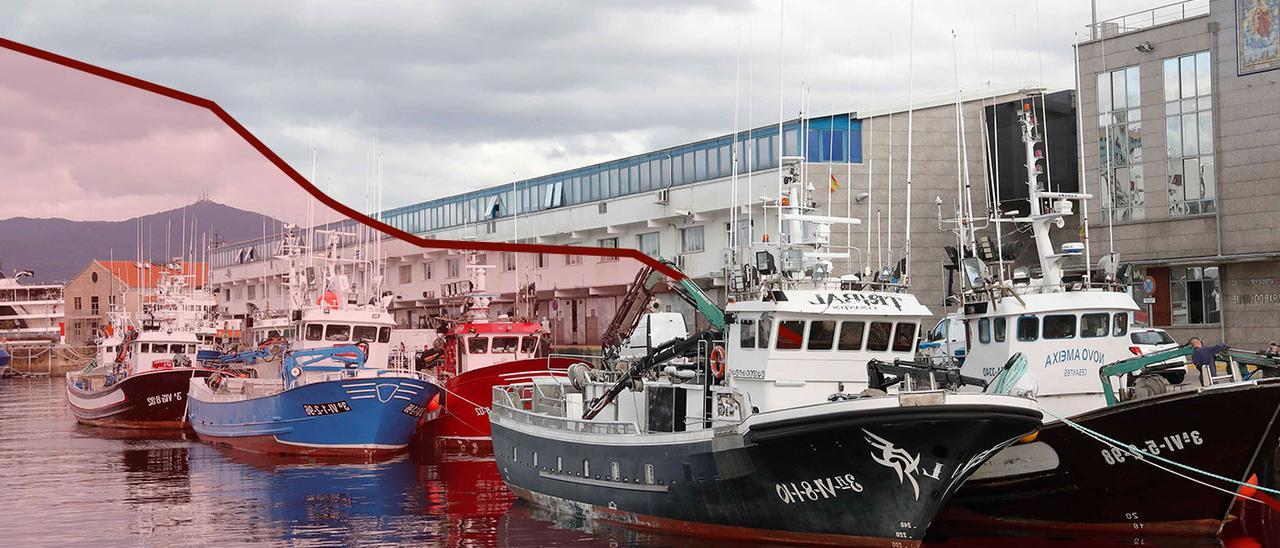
(672, 349)
(298, 361)
(1161, 360)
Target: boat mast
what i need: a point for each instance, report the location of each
(906, 269)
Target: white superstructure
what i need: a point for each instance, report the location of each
(30, 312)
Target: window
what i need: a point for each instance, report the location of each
(253, 292)
(610, 243)
(984, 330)
(747, 337)
(1120, 145)
(790, 334)
(691, 239)
(365, 333)
(1094, 325)
(878, 336)
(78, 304)
(1150, 337)
(851, 335)
(455, 267)
(406, 273)
(570, 259)
(384, 334)
(144, 347)
(93, 305)
(528, 345)
(904, 337)
(508, 261)
(821, 335)
(1028, 328)
(428, 270)
(1121, 325)
(505, 345)
(337, 333)
(1195, 295)
(649, 243)
(544, 260)
(1188, 125)
(314, 332)
(1060, 326)
(477, 345)
(999, 326)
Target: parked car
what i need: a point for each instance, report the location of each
(1146, 340)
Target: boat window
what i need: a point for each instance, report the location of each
(999, 326)
(1121, 326)
(940, 331)
(904, 337)
(878, 336)
(1094, 325)
(821, 335)
(273, 334)
(477, 345)
(1028, 328)
(984, 330)
(144, 347)
(315, 331)
(365, 333)
(766, 325)
(384, 334)
(851, 335)
(505, 345)
(337, 332)
(1060, 326)
(528, 345)
(747, 338)
(191, 349)
(790, 334)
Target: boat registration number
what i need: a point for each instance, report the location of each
(413, 410)
(818, 489)
(1166, 444)
(317, 409)
(163, 398)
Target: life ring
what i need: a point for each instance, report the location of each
(716, 361)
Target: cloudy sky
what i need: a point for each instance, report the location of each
(462, 95)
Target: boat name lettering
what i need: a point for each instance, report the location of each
(481, 411)
(163, 398)
(1075, 355)
(1165, 444)
(746, 373)
(318, 409)
(413, 410)
(857, 299)
(818, 489)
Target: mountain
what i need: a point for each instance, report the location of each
(57, 249)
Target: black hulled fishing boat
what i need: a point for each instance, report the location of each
(758, 428)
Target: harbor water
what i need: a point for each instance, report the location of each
(63, 484)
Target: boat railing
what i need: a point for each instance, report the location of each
(535, 405)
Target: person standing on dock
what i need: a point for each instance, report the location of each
(1205, 357)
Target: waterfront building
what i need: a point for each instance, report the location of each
(1182, 112)
(104, 286)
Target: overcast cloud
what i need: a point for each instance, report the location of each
(462, 95)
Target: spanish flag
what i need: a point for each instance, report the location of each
(835, 185)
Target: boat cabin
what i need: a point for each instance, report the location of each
(1066, 337)
(471, 346)
(799, 346)
(320, 328)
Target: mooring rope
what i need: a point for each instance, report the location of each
(1143, 455)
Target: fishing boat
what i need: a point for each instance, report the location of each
(1067, 324)
(477, 351)
(766, 427)
(324, 385)
(139, 375)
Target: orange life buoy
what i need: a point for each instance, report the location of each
(716, 360)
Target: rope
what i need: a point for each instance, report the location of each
(1143, 456)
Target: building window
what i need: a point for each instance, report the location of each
(1195, 295)
(93, 305)
(428, 270)
(454, 267)
(406, 273)
(543, 260)
(253, 292)
(1120, 145)
(78, 304)
(570, 259)
(610, 243)
(1188, 126)
(509, 261)
(691, 240)
(111, 300)
(649, 243)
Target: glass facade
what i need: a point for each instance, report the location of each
(1195, 295)
(1188, 122)
(1120, 145)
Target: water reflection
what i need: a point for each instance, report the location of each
(69, 484)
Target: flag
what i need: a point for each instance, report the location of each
(835, 185)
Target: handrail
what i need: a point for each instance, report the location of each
(1148, 18)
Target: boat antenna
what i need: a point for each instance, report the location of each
(782, 54)
(733, 164)
(962, 154)
(1084, 187)
(906, 271)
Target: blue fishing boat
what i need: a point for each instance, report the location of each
(326, 402)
